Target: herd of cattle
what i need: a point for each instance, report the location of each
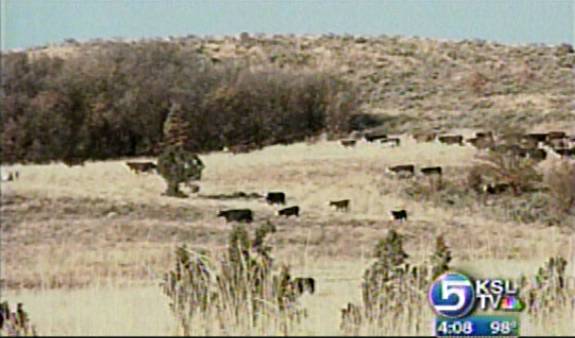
(534, 146)
(530, 145)
(275, 198)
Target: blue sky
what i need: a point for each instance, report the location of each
(27, 23)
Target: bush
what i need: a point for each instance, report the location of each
(550, 293)
(393, 291)
(240, 292)
(15, 324)
(503, 167)
(177, 165)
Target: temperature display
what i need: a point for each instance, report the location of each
(474, 326)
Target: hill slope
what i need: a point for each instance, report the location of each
(448, 83)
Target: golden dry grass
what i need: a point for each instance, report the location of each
(90, 244)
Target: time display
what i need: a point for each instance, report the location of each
(473, 326)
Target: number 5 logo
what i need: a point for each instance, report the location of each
(452, 295)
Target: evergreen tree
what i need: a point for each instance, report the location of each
(177, 164)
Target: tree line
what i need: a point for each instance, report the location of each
(113, 101)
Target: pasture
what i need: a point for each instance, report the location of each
(85, 247)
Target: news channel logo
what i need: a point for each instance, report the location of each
(455, 295)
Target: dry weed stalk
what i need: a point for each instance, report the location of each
(240, 293)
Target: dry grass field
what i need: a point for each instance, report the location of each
(85, 247)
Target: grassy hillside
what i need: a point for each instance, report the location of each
(429, 83)
(110, 233)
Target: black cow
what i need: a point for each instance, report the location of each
(340, 205)
(392, 140)
(291, 211)
(402, 169)
(451, 139)
(276, 198)
(484, 134)
(237, 215)
(554, 135)
(399, 215)
(348, 143)
(141, 167)
(372, 136)
(497, 188)
(432, 171)
(304, 284)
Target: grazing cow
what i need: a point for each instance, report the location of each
(565, 152)
(451, 139)
(497, 188)
(304, 284)
(291, 211)
(405, 169)
(276, 198)
(554, 135)
(342, 205)
(432, 171)
(399, 215)
(141, 167)
(348, 143)
(424, 136)
(484, 134)
(372, 136)
(237, 215)
(393, 141)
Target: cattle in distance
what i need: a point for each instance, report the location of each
(342, 205)
(399, 215)
(237, 215)
(141, 167)
(276, 198)
(291, 211)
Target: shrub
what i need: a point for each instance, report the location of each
(550, 293)
(500, 166)
(527, 208)
(177, 165)
(15, 324)
(393, 291)
(239, 292)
